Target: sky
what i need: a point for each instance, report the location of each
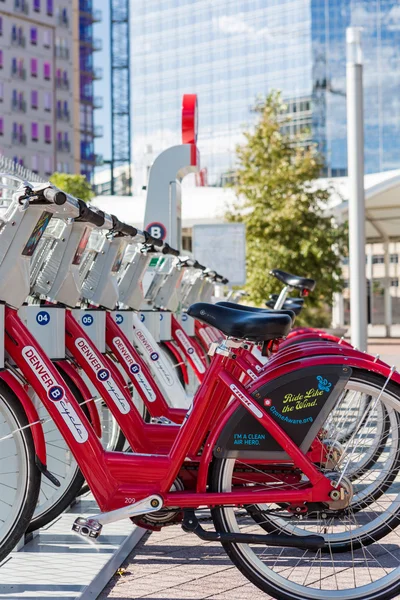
(102, 87)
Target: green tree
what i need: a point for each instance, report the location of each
(283, 209)
(76, 185)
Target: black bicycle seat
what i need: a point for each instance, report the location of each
(302, 283)
(260, 326)
(284, 311)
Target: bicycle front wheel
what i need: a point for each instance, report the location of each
(19, 475)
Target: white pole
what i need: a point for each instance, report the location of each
(387, 297)
(355, 152)
(371, 279)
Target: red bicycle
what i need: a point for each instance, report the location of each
(262, 454)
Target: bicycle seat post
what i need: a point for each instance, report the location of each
(282, 297)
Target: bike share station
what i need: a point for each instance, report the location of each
(54, 561)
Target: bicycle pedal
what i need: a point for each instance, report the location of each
(87, 527)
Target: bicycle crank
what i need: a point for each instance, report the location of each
(92, 526)
(191, 524)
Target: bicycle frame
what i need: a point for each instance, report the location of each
(110, 475)
(108, 382)
(139, 374)
(190, 348)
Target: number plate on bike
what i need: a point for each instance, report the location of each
(299, 402)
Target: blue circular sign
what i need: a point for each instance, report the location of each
(157, 230)
(103, 374)
(154, 356)
(56, 393)
(184, 317)
(190, 350)
(119, 319)
(87, 320)
(134, 369)
(142, 317)
(43, 317)
(161, 316)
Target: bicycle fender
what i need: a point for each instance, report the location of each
(312, 336)
(72, 372)
(180, 358)
(31, 414)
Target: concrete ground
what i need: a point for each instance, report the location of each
(173, 565)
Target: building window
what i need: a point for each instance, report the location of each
(50, 8)
(394, 283)
(34, 132)
(47, 165)
(47, 134)
(33, 36)
(394, 258)
(47, 101)
(34, 99)
(47, 70)
(46, 38)
(36, 5)
(34, 67)
(35, 163)
(378, 259)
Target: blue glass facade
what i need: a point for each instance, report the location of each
(231, 51)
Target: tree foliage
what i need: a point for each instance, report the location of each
(76, 185)
(283, 209)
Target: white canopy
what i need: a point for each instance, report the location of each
(382, 203)
(200, 205)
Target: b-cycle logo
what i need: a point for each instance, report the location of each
(155, 357)
(244, 400)
(103, 375)
(184, 340)
(135, 369)
(56, 394)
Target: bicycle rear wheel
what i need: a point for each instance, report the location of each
(19, 475)
(361, 558)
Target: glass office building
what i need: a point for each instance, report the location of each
(231, 51)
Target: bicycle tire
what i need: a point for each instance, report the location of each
(28, 489)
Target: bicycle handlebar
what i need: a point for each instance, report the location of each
(168, 250)
(99, 218)
(123, 228)
(56, 196)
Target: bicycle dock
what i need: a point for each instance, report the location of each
(56, 563)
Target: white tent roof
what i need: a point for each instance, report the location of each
(207, 205)
(382, 203)
(200, 205)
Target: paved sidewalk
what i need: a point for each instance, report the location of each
(173, 565)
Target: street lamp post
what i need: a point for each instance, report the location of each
(355, 153)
